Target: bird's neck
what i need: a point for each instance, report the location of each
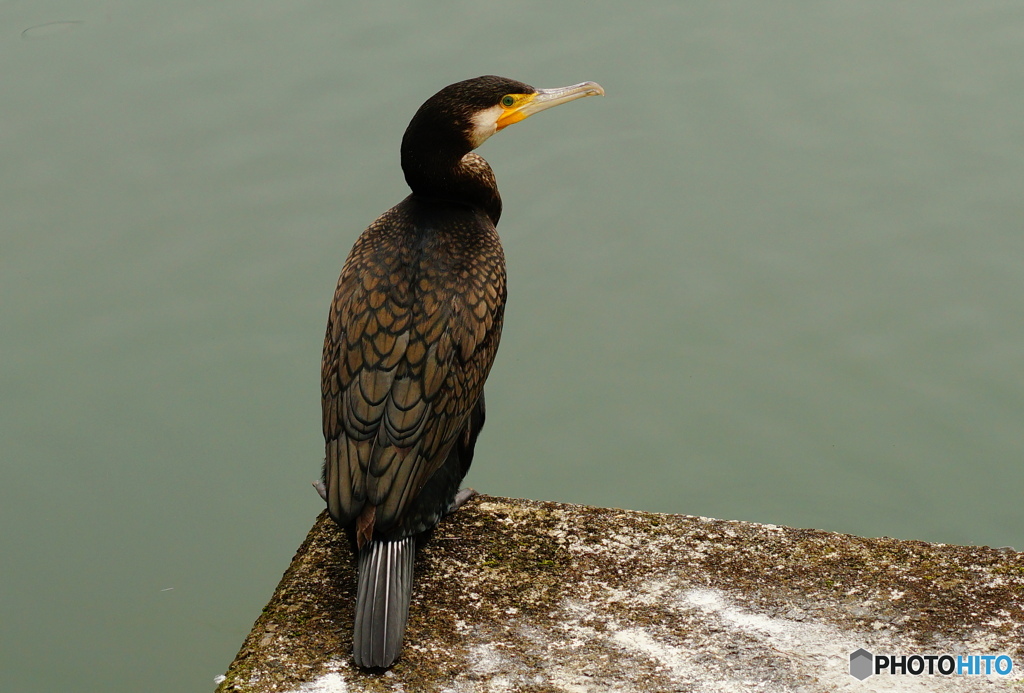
(464, 178)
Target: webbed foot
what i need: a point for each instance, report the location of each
(320, 488)
(460, 499)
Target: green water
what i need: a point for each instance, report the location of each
(776, 274)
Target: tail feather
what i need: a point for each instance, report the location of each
(382, 601)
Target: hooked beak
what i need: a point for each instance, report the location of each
(546, 98)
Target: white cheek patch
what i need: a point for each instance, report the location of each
(485, 124)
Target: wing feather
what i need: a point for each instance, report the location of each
(409, 344)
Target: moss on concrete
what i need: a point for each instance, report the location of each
(515, 595)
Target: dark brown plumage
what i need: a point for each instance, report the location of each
(411, 336)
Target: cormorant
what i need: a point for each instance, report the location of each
(411, 336)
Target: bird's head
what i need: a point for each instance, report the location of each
(469, 112)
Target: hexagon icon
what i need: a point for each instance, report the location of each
(861, 664)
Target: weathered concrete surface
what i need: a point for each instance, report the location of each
(515, 595)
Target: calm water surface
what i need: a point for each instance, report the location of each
(777, 274)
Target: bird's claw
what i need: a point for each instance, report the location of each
(320, 488)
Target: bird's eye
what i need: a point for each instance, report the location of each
(507, 101)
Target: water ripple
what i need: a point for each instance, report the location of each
(50, 29)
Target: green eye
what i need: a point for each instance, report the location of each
(507, 101)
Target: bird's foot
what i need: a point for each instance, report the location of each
(460, 499)
(320, 488)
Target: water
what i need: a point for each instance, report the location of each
(775, 275)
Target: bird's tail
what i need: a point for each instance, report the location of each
(382, 601)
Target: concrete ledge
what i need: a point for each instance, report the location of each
(516, 595)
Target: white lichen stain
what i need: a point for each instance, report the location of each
(484, 660)
(328, 683)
